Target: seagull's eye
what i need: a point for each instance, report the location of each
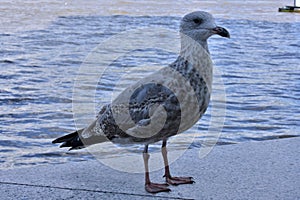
(197, 21)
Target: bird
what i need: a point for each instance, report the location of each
(161, 105)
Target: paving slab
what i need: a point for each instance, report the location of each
(252, 170)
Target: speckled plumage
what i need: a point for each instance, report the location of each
(182, 89)
(161, 105)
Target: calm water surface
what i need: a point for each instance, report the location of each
(40, 59)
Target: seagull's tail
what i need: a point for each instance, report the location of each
(71, 140)
(75, 141)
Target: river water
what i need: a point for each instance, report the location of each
(43, 45)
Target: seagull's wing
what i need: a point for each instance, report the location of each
(139, 112)
(156, 107)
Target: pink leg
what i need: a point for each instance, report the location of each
(149, 186)
(169, 179)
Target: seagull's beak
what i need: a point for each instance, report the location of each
(221, 31)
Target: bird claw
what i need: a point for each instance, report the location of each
(179, 180)
(157, 187)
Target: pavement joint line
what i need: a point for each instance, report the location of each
(88, 190)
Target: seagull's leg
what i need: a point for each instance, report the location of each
(149, 186)
(169, 179)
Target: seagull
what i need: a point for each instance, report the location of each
(163, 104)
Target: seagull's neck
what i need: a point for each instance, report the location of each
(197, 54)
(204, 45)
(188, 45)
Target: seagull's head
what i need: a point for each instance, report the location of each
(200, 26)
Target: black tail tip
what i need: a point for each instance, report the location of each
(55, 141)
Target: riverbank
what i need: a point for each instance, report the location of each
(253, 170)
